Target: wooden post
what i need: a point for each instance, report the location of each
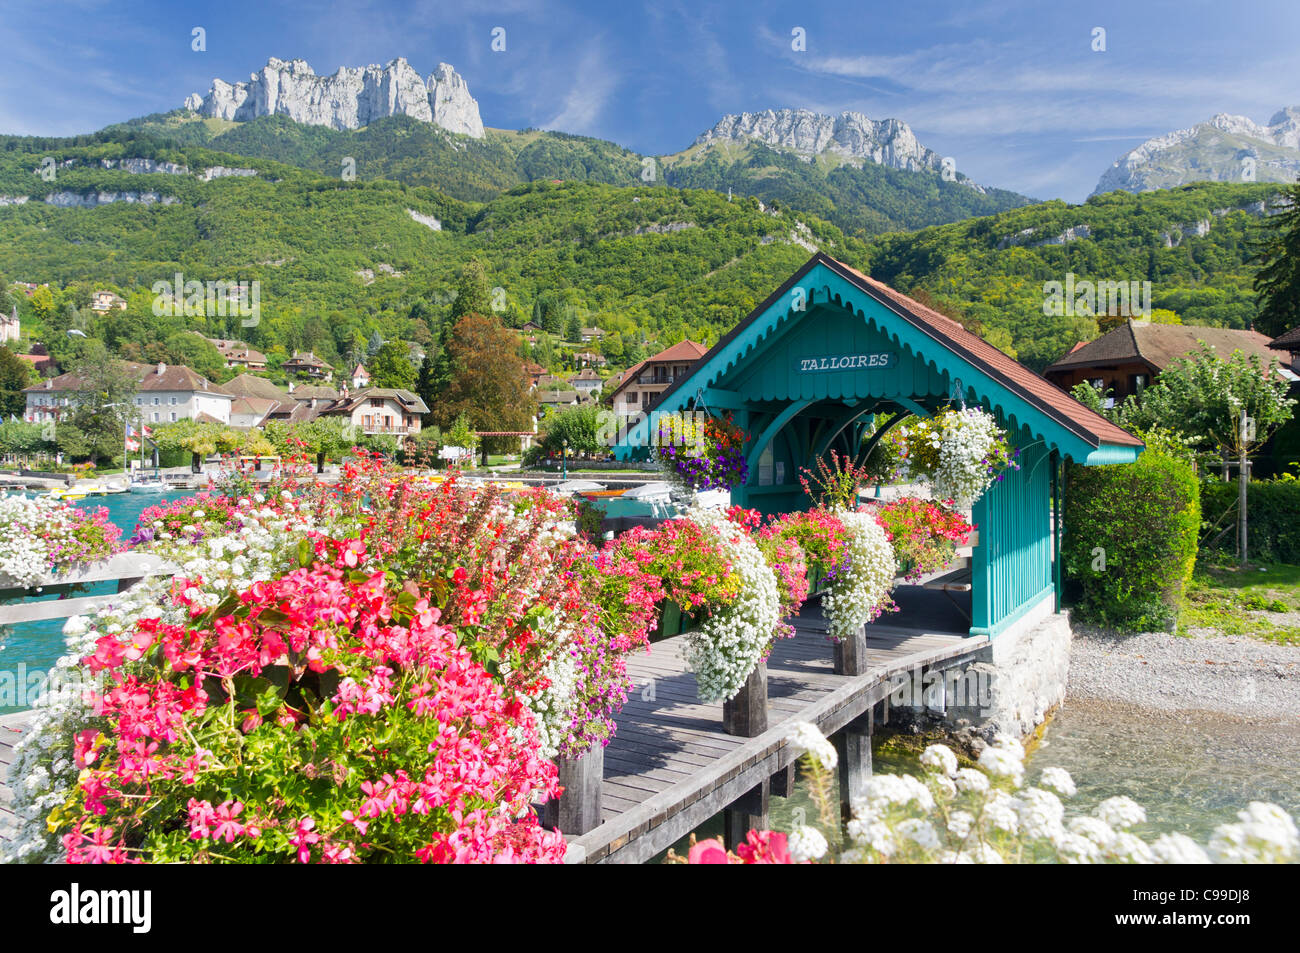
(782, 784)
(1243, 477)
(745, 715)
(851, 653)
(853, 745)
(577, 810)
(747, 813)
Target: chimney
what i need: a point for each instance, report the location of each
(312, 404)
(161, 367)
(291, 387)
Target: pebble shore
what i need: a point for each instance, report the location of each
(1158, 671)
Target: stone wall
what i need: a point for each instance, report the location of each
(1011, 687)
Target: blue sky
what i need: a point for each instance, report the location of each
(1011, 89)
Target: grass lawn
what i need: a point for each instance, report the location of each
(1261, 600)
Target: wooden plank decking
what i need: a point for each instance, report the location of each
(670, 767)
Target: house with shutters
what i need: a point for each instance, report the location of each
(165, 393)
(640, 386)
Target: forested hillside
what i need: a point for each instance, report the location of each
(339, 262)
(1194, 244)
(866, 200)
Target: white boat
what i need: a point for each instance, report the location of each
(149, 486)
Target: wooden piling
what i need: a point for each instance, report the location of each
(577, 810)
(745, 715)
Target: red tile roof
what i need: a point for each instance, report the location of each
(687, 351)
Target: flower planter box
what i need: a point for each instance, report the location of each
(672, 621)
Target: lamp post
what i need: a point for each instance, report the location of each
(564, 459)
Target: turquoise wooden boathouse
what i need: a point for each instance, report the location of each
(808, 369)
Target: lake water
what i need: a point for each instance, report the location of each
(38, 645)
(1191, 770)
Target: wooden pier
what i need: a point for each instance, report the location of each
(673, 764)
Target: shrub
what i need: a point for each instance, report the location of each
(1130, 539)
(1273, 514)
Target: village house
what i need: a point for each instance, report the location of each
(360, 377)
(534, 371)
(104, 301)
(589, 359)
(239, 354)
(1289, 343)
(592, 334)
(164, 394)
(1127, 359)
(308, 365)
(586, 382)
(642, 383)
(10, 328)
(380, 410)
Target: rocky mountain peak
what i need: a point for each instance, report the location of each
(1214, 150)
(853, 135)
(350, 98)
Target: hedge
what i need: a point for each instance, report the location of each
(1130, 540)
(1273, 518)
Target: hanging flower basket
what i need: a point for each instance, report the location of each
(959, 452)
(701, 454)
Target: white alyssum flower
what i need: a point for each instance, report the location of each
(1058, 780)
(732, 640)
(1093, 829)
(805, 738)
(1178, 849)
(960, 824)
(1041, 814)
(919, 831)
(940, 758)
(969, 437)
(806, 843)
(860, 588)
(1120, 812)
(971, 781)
(1002, 762)
(1003, 812)
(1265, 834)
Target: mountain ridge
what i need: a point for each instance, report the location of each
(352, 97)
(1224, 148)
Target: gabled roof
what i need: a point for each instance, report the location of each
(1158, 345)
(1044, 397)
(409, 401)
(307, 360)
(306, 392)
(149, 377)
(683, 351)
(1288, 340)
(250, 385)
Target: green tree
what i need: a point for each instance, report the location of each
(580, 426)
(488, 384)
(197, 353)
(391, 367)
(15, 374)
(573, 329)
(473, 296)
(1203, 397)
(104, 401)
(1277, 283)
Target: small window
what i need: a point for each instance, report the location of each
(173, 415)
(156, 402)
(155, 416)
